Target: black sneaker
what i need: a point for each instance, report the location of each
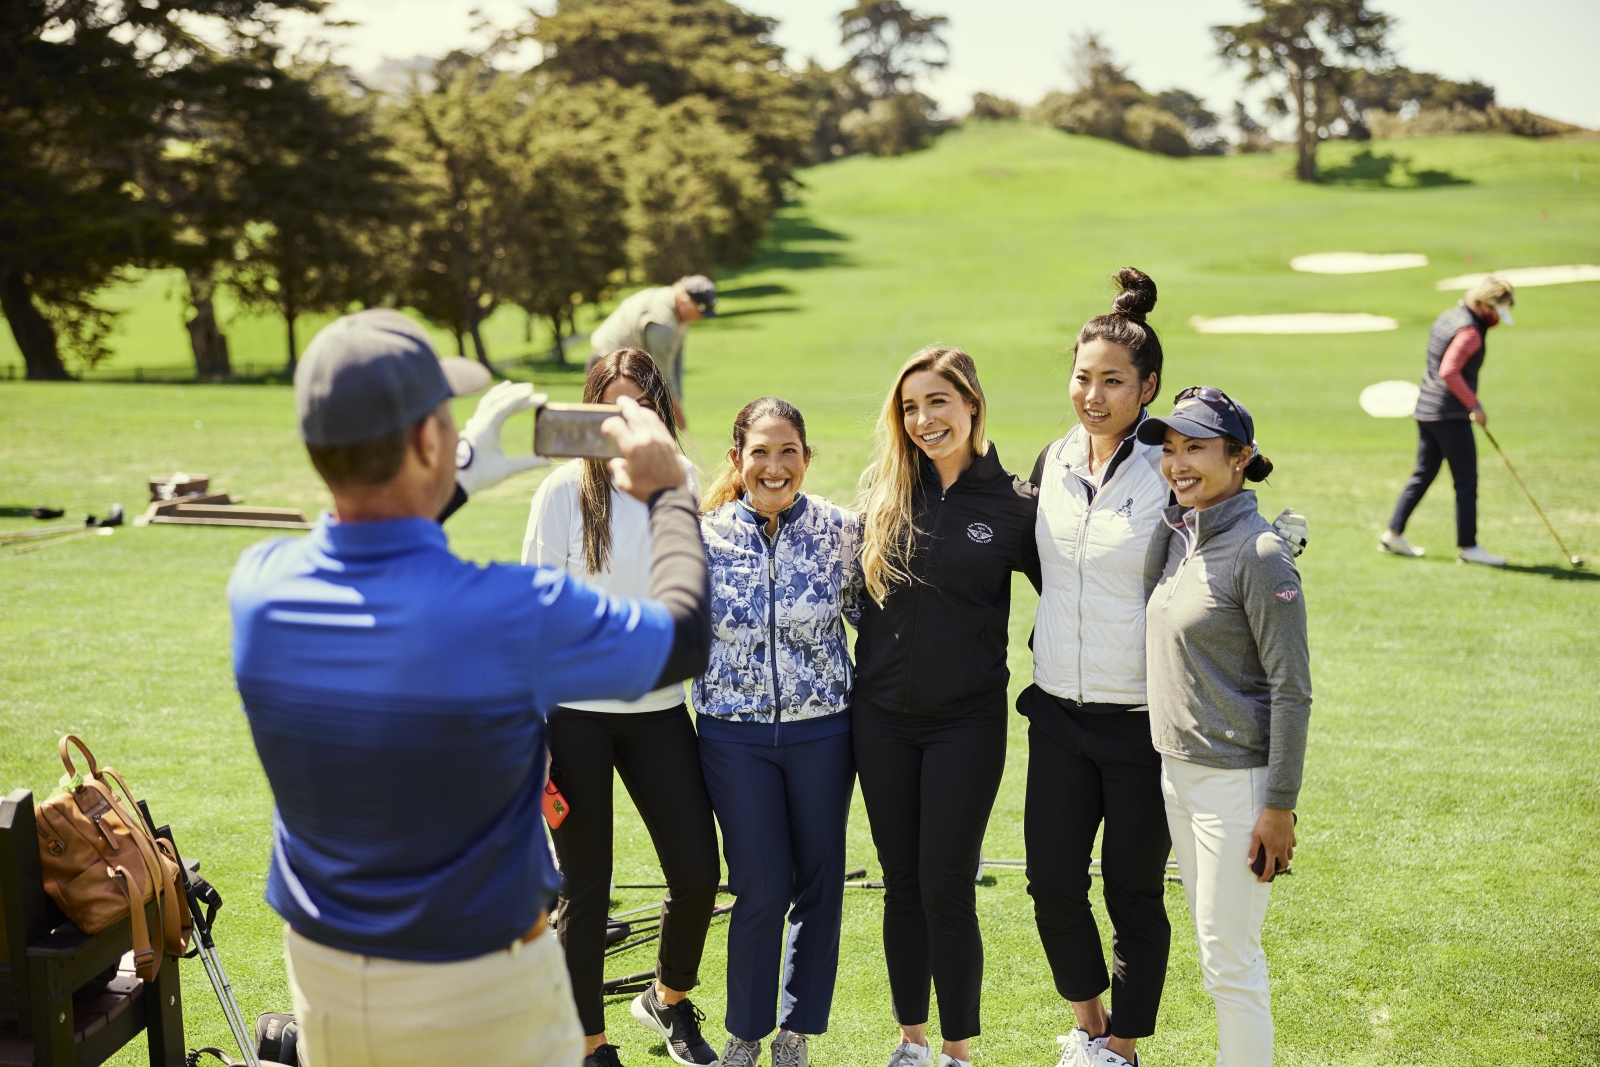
(604, 1056)
(679, 1024)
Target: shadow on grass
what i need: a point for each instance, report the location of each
(782, 249)
(751, 292)
(1367, 168)
(1560, 574)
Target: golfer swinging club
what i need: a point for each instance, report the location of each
(1445, 413)
(657, 320)
(396, 695)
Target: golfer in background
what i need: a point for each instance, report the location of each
(1445, 413)
(1229, 673)
(397, 694)
(657, 320)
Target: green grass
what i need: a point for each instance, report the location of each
(1443, 906)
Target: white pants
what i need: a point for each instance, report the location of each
(1211, 814)
(511, 1008)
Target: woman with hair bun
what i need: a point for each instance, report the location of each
(582, 524)
(1230, 699)
(774, 718)
(944, 525)
(1090, 756)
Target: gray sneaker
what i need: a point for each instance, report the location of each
(789, 1050)
(909, 1055)
(738, 1053)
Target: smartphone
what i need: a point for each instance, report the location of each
(562, 430)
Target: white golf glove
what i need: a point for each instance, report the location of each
(1293, 528)
(481, 461)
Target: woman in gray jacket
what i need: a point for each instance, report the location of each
(1229, 676)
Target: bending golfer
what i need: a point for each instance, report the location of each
(774, 718)
(1445, 413)
(584, 524)
(657, 320)
(396, 695)
(1230, 700)
(1090, 757)
(944, 525)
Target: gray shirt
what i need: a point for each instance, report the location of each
(1229, 667)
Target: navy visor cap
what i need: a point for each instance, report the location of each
(703, 291)
(1202, 411)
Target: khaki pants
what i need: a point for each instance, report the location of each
(510, 1008)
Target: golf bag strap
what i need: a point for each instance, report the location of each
(146, 960)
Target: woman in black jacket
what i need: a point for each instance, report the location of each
(943, 528)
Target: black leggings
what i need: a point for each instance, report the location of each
(658, 757)
(1437, 442)
(1083, 767)
(929, 785)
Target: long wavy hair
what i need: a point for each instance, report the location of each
(729, 484)
(884, 496)
(594, 483)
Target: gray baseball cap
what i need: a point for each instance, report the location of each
(703, 291)
(374, 373)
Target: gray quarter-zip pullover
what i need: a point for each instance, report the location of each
(1229, 668)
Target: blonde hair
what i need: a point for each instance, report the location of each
(887, 485)
(1492, 290)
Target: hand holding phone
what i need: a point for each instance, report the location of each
(1272, 843)
(573, 430)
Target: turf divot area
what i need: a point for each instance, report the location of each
(1304, 322)
(1357, 262)
(1443, 908)
(1527, 277)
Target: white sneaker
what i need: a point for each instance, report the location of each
(1104, 1057)
(1396, 545)
(1078, 1048)
(951, 1061)
(910, 1055)
(1478, 554)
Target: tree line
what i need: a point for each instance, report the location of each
(651, 139)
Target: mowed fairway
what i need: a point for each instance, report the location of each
(1444, 905)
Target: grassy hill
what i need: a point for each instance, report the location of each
(1443, 906)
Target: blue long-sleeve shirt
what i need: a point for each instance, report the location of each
(397, 696)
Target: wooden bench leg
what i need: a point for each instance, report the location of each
(164, 1015)
(52, 1018)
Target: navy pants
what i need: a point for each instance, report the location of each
(1448, 440)
(783, 810)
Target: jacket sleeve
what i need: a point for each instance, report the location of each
(1155, 557)
(1463, 346)
(1027, 560)
(853, 599)
(1269, 590)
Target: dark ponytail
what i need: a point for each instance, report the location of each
(1259, 469)
(1126, 325)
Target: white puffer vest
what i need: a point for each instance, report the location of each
(1088, 637)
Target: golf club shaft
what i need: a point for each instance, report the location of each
(44, 531)
(1547, 524)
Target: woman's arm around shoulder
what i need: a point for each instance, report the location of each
(1270, 592)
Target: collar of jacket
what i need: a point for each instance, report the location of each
(1477, 320)
(1214, 519)
(746, 513)
(986, 468)
(1081, 454)
(376, 540)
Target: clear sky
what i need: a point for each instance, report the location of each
(1539, 54)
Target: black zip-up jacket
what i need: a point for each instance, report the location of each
(937, 646)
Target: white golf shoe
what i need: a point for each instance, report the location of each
(1078, 1048)
(1478, 554)
(1396, 545)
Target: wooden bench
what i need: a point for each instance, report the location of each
(56, 1007)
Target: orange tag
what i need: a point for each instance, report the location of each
(555, 805)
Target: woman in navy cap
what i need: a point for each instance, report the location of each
(1229, 677)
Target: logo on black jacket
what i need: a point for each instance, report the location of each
(980, 533)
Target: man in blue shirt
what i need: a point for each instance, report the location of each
(396, 695)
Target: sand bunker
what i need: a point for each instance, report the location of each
(1390, 400)
(1356, 262)
(1310, 322)
(1521, 276)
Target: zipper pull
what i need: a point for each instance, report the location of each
(772, 567)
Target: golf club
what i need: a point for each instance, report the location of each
(1576, 561)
